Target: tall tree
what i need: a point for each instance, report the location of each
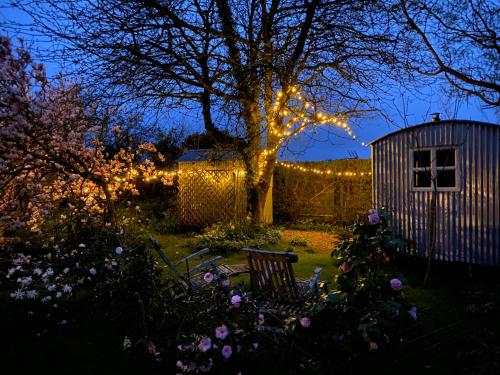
(275, 66)
(459, 41)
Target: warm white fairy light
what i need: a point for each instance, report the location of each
(301, 168)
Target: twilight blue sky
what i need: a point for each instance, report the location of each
(404, 108)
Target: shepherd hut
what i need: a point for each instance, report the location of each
(441, 182)
(212, 188)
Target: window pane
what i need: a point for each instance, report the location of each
(446, 179)
(445, 158)
(422, 159)
(421, 179)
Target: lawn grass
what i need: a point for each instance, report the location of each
(178, 246)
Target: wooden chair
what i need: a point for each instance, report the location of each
(192, 277)
(271, 273)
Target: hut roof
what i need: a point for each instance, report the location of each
(211, 154)
(432, 123)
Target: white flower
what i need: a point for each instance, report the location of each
(126, 343)
(66, 270)
(114, 263)
(18, 294)
(67, 288)
(92, 271)
(118, 250)
(32, 294)
(46, 299)
(51, 287)
(82, 245)
(37, 271)
(49, 272)
(24, 281)
(59, 295)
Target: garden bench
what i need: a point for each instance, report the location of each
(271, 274)
(192, 277)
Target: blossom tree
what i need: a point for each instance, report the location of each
(50, 151)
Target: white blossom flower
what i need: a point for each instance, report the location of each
(46, 299)
(37, 271)
(119, 250)
(67, 288)
(51, 287)
(66, 270)
(49, 272)
(59, 295)
(32, 294)
(82, 246)
(18, 294)
(25, 281)
(126, 343)
(92, 271)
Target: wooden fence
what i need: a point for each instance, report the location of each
(339, 197)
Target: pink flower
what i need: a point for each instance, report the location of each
(305, 322)
(205, 344)
(221, 332)
(345, 267)
(151, 348)
(236, 300)
(413, 312)
(373, 346)
(260, 319)
(396, 284)
(208, 277)
(226, 283)
(226, 351)
(374, 219)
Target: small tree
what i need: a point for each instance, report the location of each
(50, 151)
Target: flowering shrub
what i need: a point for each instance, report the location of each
(41, 281)
(226, 238)
(371, 293)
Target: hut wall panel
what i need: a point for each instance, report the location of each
(468, 220)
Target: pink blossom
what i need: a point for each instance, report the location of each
(396, 284)
(373, 346)
(226, 351)
(151, 348)
(205, 344)
(374, 219)
(208, 277)
(413, 312)
(345, 267)
(260, 319)
(236, 300)
(305, 322)
(221, 332)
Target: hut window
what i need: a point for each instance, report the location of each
(439, 164)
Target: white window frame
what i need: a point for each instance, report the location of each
(434, 168)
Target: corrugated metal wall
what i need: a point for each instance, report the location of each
(468, 220)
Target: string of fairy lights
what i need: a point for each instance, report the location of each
(159, 175)
(298, 115)
(319, 171)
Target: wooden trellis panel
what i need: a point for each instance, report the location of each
(211, 192)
